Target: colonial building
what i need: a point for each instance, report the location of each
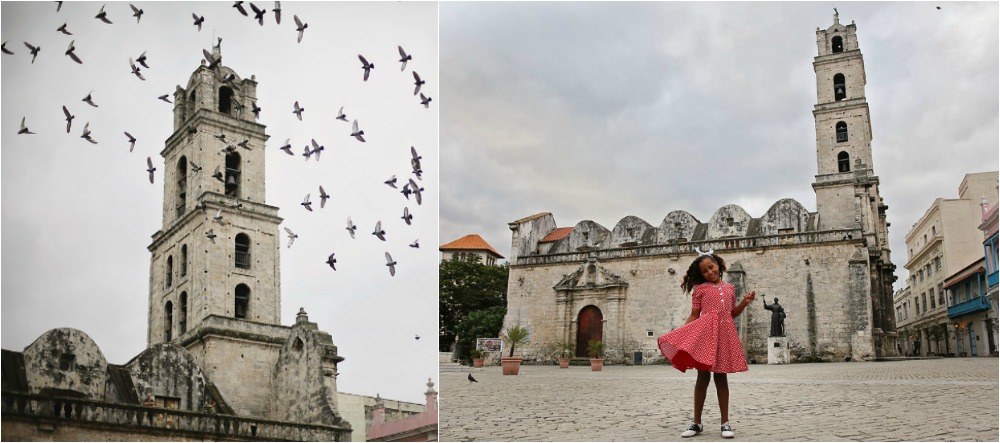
(219, 364)
(468, 246)
(943, 248)
(830, 267)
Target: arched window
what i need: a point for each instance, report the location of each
(841, 132)
(170, 271)
(839, 87)
(242, 301)
(844, 162)
(225, 99)
(232, 174)
(168, 321)
(181, 185)
(184, 260)
(837, 43)
(183, 322)
(242, 251)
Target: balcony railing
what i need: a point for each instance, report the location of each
(242, 259)
(977, 304)
(991, 280)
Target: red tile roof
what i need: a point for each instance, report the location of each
(557, 234)
(470, 242)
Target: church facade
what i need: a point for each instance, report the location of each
(830, 268)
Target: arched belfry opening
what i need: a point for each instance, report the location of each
(837, 44)
(841, 132)
(225, 99)
(839, 87)
(233, 174)
(182, 322)
(242, 251)
(242, 301)
(589, 327)
(168, 321)
(169, 277)
(844, 162)
(181, 185)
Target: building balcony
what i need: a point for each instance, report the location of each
(991, 280)
(972, 306)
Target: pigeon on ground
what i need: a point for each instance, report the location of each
(198, 20)
(323, 196)
(291, 237)
(287, 147)
(150, 169)
(424, 100)
(34, 51)
(3, 47)
(298, 110)
(379, 232)
(164, 98)
(403, 58)
(316, 149)
(390, 263)
(366, 66)
(103, 16)
(131, 141)
(135, 69)
(63, 30)
(255, 109)
(137, 13)
(69, 119)
(239, 7)
(472, 379)
(277, 12)
(218, 174)
(86, 136)
(300, 27)
(24, 129)
(211, 235)
(415, 244)
(351, 227)
(417, 82)
(391, 182)
(357, 133)
(341, 115)
(89, 99)
(142, 60)
(416, 191)
(306, 203)
(258, 13)
(330, 260)
(407, 217)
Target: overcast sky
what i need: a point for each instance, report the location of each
(77, 218)
(599, 111)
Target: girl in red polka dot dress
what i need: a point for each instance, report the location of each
(708, 340)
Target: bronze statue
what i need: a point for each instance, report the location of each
(777, 318)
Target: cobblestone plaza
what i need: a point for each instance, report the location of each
(953, 399)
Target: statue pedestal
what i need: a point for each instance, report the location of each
(777, 351)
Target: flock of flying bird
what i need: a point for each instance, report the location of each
(410, 187)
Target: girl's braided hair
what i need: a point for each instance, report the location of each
(694, 278)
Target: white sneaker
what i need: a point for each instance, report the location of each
(695, 429)
(727, 431)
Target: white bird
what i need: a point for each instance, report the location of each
(291, 237)
(390, 263)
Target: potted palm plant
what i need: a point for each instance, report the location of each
(564, 351)
(596, 350)
(515, 336)
(477, 358)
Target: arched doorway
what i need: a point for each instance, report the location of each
(589, 326)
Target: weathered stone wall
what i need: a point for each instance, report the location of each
(305, 376)
(526, 233)
(66, 359)
(167, 370)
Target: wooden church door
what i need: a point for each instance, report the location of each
(589, 326)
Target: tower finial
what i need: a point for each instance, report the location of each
(836, 16)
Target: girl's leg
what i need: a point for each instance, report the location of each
(722, 388)
(700, 391)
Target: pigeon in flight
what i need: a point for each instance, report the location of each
(298, 110)
(415, 244)
(217, 217)
(198, 20)
(417, 82)
(221, 136)
(939, 8)
(323, 196)
(341, 115)
(300, 27)
(69, 119)
(426, 101)
(164, 98)
(403, 58)
(245, 144)
(414, 157)
(316, 149)
(329, 260)
(258, 13)
(287, 148)
(472, 379)
(351, 227)
(58, 5)
(213, 63)
(34, 51)
(277, 12)
(406, 191)
(407, 217)
(136, 12)
(357, 133)
(237, 205)
(3, 47)
(89, 100)
(307, 203)
(218, 174)
(417, 171)
(131, 141)
(194, 168)
(416, 337)
(239, 7)
(391, 264)
(63, 30)
(103, 16)
(379, 232)
(142, 60)
(211, 235)
(150, 169)
(416, 190)
(291, 237)
(366, 66)
(307, 153)
(135, 69)
(391, 182)
(86, 136)
(255, 109)
(24, 129)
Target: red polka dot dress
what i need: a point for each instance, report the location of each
(710, 343)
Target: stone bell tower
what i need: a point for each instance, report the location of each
(847, 194)
(218, 297)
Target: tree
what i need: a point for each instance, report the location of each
(484, 323)
(467, 286)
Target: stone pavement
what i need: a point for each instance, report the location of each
(915, 400)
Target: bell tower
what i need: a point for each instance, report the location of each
(218, 295)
